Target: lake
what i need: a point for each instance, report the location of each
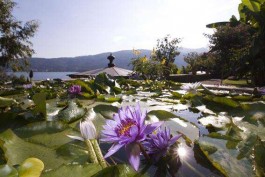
(44, 75)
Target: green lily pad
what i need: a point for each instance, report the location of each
(246, 146)
(250, 128)
(37, 128)
(108, 98)
(259, 156)
(176, 95)
(87, 95)
(177, 125)
(225, 160)
(53, 140)
(106, 111)
(253, 112)
(5, 102)
(219, 121)
(17, 150)
(40, 103)
(73, 170)
(242, 98)
(112, 99)
(52, 111)
(31, 167)
(71, 113)
(161, 114)
(27, 103)
(221, 101)
(75, 151)
(11, 120)
(116, 171)
(8, 171)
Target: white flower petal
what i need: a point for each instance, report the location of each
(88, 130)
(76, 137)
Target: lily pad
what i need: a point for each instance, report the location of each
(36, 128)
(224, 101)
(178, 125)
(52, 111)
(219, 121)
(250, 128)
(5, 102)
(106, 111)
(11, 120)
(246, 147)
(242, 98)
(31, 167)
(8, 171)
(40, 103)
(259, 156)
(116, 171)
(17, 150)
(53, 140)
(73, 170)
(71, 113)
(225, 159)
(161, 114)
(176, 95)
(76, 151)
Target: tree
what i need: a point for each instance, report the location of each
(15, 46)
(252, 12)
(166, 51)
(192, 59)
(230, 43)
(147, 68)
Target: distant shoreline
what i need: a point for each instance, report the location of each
(43, 75)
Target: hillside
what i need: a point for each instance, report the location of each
(84, 63)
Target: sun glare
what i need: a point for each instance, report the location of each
(182, 152)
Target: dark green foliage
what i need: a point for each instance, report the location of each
(161, 62)
(166, 51)
(15, 46)
(229, 45)
(239, 45)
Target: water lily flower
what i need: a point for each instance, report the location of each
(89, 136)
(27, 86)
(158, 143)
(75, 89)
(87, 130)
(128, 129)
(261, 91)
(191, 87)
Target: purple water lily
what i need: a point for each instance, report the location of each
(158, 144)
(128, 129)
(75, 89)
(27, 86)
(262, 91)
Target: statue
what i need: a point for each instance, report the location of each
(31, 75)
(111, 58)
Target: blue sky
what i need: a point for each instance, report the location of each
(83, 27)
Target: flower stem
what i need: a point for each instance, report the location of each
(91, 153)
(98, 152)
(144, 152)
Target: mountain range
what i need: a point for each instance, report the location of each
(89, 62)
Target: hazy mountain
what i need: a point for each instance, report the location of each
(84, 63)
